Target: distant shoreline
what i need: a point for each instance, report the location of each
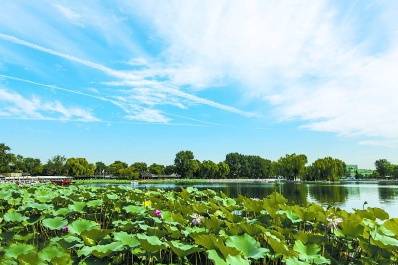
(193, 181)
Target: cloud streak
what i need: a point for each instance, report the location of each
(311, 62)
(143, 85)
(15, 105)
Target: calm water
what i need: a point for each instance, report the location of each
(345, 196)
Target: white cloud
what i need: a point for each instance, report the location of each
(309, 59)
(14, 105)
(69, 14)
(143, 85)
(149, 115)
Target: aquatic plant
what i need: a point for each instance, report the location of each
(48, 224)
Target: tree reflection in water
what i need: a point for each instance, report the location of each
(332, 194)
(387, 194)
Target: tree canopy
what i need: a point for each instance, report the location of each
(236, 165)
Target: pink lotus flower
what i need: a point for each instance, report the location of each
(157, 213)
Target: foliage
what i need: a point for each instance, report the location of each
(327, 168)
(384, 168)
(291, 166)
(248, 166)
(47, 224)
(185, 164)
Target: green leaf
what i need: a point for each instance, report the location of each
(310, 253)
(182, 249)
(81, 225)
(248, 246)
(150, 243)
(14, 217)
(77, 206)
(55, 223)
(127, 239)
(134, 209)
(213, 256)
(56, 255)
(19, 249)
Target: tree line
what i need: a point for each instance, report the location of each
(385, 168)
(235, 165)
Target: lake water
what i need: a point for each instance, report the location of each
(346, 196)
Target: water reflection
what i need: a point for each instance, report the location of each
(346, 196)
(331, 194)
(388, 194)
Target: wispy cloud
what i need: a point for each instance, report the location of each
(144, 87)
(13, 104)
(310, 61)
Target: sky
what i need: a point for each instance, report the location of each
(142, 80)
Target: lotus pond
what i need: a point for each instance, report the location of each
(48, 224)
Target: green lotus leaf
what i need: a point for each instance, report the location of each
(214, 242)
(93, 236)
(95, 203)
(14, 217)
(127, 239)
(213, 256)
(55, 223)
(18, 249)
(248, 246)
(134, 209)
(291, 215)
(100, 251)
(295, 261)
(77, 206)
(310, 253)
(150, 243)
(81, 225)
(55, 255)
(112, 196)
(62, 212)
(182, 249)
(237, 260)
(23, 237)
(385, 240)
(392, 225)
(352, 226)
(38, 206)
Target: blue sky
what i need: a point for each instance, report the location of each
(141, 80)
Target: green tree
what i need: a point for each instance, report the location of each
(5, 158)
(394, 171)
(101, 169)
(55, 166)
(292, 166)
(79, 167)
(156, 169)
(170, 169)
(185, 164)
(236, 164)
(32, 166)
(383, 167)
(223, 170)
(327, 168)
(140, 167)
(208, 170)
(118, 168)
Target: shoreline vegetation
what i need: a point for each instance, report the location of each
(239, 180)
(290, 167)
(48, 224)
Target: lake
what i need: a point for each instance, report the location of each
(346, 196)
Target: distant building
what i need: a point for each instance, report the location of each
(13, 175)
(353, 171)
(147, 175)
